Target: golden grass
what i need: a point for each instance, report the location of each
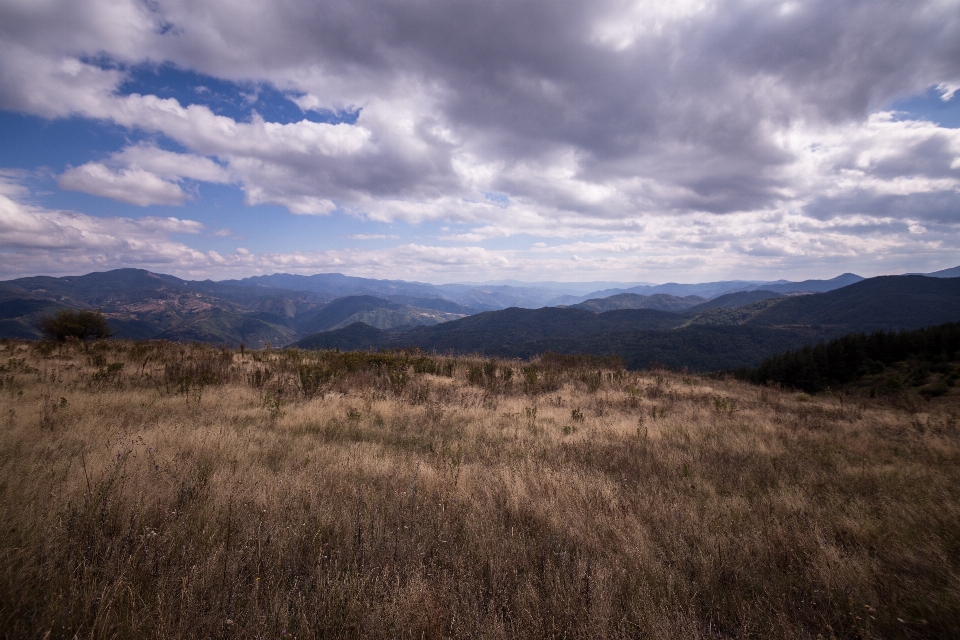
(186, 495)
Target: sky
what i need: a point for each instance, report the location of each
(470, 140)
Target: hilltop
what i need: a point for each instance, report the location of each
(157, 490)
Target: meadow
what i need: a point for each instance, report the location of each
(159, 490)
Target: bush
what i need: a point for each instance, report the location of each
(70, 323)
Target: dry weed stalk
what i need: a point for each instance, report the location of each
(161, 490)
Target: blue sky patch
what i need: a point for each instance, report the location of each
(231, 99)
(930, 106)
(30, 142)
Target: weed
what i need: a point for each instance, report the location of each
(724, 405)
(337, 494)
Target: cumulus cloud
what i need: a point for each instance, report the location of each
(692, 119)
(38, 240)
(142, 175)
(134, 186)
(34, 239)
(171, 165)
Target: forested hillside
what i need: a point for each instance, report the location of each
(929, 359)
(703, 338)
(886, 302)
(659, 301)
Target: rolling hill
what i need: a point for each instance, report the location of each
(741, 326)
(885, 302)
(732, 300)
(717, 337)
(658, 301)
(373, 311)
(143, 305)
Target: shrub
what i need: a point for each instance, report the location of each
(79, 324)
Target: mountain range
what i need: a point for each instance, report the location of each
(143, 305)
(714, 335)
(679, 324)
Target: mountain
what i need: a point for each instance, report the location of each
(514, 325)
(437, 304)
(491, 296)
(143, 305)
(713, 337)
(476, 297)
(712, 290)
(336, 285)
(373, 311)
(659, 301)
(572, 288)
(881, 362)
(885, 302)
(814, 286)
(952, 272)
(499, 296)
(19, 315)
(731, 300)
(704, 290)
(358, 336)
(699, 348)
(729, 315)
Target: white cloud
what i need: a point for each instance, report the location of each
(171, 165)
(38, 240)
(142, 175)
(34, 239)
(728, 131)
(947, 90)
(135, 186)
(372, 236)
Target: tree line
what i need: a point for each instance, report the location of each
(853, 356)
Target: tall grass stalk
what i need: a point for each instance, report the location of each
(198, 492)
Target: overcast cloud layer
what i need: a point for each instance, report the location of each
(620, 140)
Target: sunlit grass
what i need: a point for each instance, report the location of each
(196, 492)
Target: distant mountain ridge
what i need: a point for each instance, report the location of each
(953, 272)
(376, 312)
(715, 289)
(738, 299)
(284, 308)
(511, 293)
(659, 301)
(144, 305)
(718, 336)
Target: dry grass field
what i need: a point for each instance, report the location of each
(155, 490)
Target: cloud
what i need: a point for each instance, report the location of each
(134, 186)
(142, 175)
(34, 239)
(947, 90)
(646, 119)
(38, 240)
(171, 165)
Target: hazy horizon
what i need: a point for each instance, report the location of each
(586, 286)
